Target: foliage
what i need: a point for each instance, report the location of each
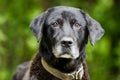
(17, 43)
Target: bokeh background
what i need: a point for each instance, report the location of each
(17, 43)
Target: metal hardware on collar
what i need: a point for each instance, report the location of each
(76, 75)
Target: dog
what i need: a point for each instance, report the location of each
(63, 34)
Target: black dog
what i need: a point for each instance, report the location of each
(61, 53)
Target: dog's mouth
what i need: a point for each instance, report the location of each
(66, 55)
(66, 52)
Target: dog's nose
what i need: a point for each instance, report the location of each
(66, 42)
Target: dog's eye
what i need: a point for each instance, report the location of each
(77, 25)
(55, 24)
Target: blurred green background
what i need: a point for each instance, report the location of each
(17, 43)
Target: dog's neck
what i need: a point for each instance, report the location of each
(76, 75)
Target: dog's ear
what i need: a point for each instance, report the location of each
(94, 28)
(37, 24)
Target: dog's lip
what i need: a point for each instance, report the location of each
(65, 55)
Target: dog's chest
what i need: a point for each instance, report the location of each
(39, 71)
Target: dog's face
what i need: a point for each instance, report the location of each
(65, 30)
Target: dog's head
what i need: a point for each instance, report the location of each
(65, 30)
(65, 33)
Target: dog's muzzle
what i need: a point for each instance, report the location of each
(66, 48)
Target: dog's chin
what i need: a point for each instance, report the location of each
(66, 55)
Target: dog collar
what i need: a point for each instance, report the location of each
(76, 75)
